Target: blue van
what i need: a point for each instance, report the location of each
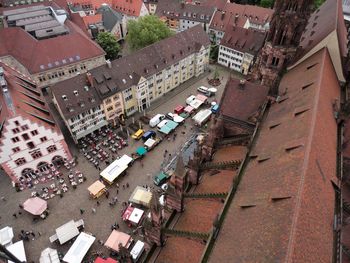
(148, 134)
(215, 108)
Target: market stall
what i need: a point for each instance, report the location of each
(141, 196)
(6, 236)
(80, 247)
(107, 260)
(17, 249)
(115, 169)
(133, 215)
(49, 255)
(66, 232)
(117, 238)
(35, 206)
(97, 189)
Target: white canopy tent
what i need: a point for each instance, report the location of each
(17, 249)
(49, 255)
(66, 232)
(6, 236)
(80, 247)
(116, 168)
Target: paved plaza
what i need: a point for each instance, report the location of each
(68, 207)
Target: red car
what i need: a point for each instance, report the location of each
(179, 109)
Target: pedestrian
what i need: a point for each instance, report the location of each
(117, 191)
(123, 186)
(19, 212)
(127, 185)
(117, 226)
(99, 168)
(98, 203)
(82, 211)
(100, 242)
(93, 210)
(39, 233)
(107, 194)
(115, 199)
(3, 198)
(169, 155)
(14, 215)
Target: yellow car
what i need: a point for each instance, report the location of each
(137, 135)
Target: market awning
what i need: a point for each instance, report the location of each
(96, 187)
(80, 247)
(67, 231)
(49, 255)
(189, 109)
(117, 238)
(141, 151)
(17, 249)
(35, 206)
(141, 196)
(6, 236)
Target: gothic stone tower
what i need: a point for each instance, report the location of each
(287, 26)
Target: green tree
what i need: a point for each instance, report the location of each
(267, 3)
(146, 31)
(109, 44)
(318, 3)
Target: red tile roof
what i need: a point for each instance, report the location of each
(42, 55)
(94, 3)
(244, 40)
(24, 99)
(91, 20)
(128, 7)
(219, 4)
(325, 20)
(236, 15)
(283, 208)
(246, 99)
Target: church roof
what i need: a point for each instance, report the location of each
(284, 204)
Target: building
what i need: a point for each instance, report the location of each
(29, 138)
(131, 83)
(180, 16)
(112, 21)
(41, 42)
(287, 26)
(239, 48)
(236, 15)
(151, 6)
(79, 106)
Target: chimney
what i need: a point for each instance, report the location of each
(109, 63)
(241, 84)
(222, 15)
(90, 79)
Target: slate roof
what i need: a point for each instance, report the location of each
(145, 62)
(246, 98)
(72, 106)
(176, 10)
(236, 15)
(283, 208)
(23, 98)
(42, 55)
(109, 17)
(244, 40)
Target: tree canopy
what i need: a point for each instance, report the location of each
(267, 3)
(146, 31)
(109, 44)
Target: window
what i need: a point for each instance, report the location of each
(20, 161)
(25, 127)
(116, 97)
(15, 139)
(43, 139)
(25, 136)
(16, 149)
(36, 154)
(30, 145)
(110, 108)
(35, 132)
(17, 123)
(15, 130)
(51, 148)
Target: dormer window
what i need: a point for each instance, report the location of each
(64, 97)
(86, 88)
(76, 93)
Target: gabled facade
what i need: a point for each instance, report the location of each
(29, 139)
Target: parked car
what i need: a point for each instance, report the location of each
(148, 134)
(190, 99)
(160, 179)
(175, 117)
(207, 91)
(156, 120)
(137, 135)
(179, 109)
(215, 108)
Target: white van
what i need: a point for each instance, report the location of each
(137, 250)
(162, 123)
(207, 91)
(156, 119)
